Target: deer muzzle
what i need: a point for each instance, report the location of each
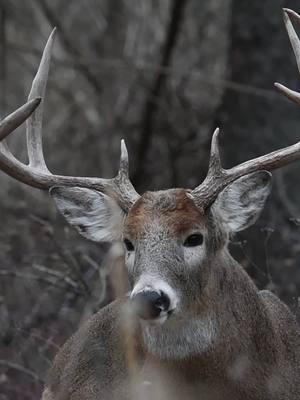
(150, 304)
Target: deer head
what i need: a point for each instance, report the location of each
(174, 239)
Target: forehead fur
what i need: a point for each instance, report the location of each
(172, 208)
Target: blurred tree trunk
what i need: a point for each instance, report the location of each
(3, 16)
(260, 120)
(152, 101)
(259, 55)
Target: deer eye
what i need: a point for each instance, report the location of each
(129, 246)
(193, 240)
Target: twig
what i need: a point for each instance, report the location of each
(20, 368)
(72, 49)
(290, 207)
(46, 341)
(126, 63)
(58, 275)
(66, 256)
(29, 276)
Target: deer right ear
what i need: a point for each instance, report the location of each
(96, 216)
(240, 203)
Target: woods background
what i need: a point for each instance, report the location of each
(162, 75)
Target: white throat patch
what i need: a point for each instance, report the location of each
(179, 340)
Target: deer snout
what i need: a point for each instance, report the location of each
(150, 304)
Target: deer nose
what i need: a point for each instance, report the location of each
(149, 304)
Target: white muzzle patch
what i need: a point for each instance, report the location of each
(156, 284)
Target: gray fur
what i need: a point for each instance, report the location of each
(240, 204)
(225, 340)
(95, 216)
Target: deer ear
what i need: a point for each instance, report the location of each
(96, 216)
(240, 203)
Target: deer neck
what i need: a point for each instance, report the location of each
(225, 315)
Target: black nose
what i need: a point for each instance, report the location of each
(149, 304)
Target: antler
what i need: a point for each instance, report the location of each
(295, 42)
(15, 119)
(217, 177)
(36, 173)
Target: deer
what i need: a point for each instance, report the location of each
(193, 324)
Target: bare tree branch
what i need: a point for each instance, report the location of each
(68, 44)
(20, 368)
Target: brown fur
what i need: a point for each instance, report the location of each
(255, 354)
(173, 208)
(259, 343)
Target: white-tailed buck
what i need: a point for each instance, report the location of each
(194, 326)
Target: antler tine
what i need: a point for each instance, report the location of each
(14, 120)
(34, 123)
(214, 159)
(217, 179)
(126, 189)
(124, 163)
(290, 94)
(207, 191)
(295, 42)
(36, 174)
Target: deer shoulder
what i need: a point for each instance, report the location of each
(93, 361)
(284, 322)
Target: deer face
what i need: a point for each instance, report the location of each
(170, 243)
(165, 237)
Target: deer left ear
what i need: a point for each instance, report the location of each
(95, 216)
(240, 203)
